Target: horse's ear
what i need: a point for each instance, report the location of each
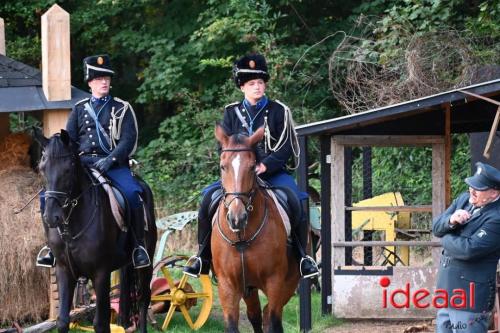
(220, 134)
(256, 137)
(65, 137)
(39, 137)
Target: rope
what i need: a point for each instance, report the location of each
(288, 133)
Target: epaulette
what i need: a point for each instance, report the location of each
(120, 100)
(231, 104)
(81, 101)
(283, 105)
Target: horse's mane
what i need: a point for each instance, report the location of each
(57, 148)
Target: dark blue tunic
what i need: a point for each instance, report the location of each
(93, 144)
(275, 161)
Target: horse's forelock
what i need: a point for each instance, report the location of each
(238, 139)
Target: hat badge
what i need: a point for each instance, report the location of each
(100, 61)
(479, 170)
(251, 64)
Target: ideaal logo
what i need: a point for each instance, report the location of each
(422, 298)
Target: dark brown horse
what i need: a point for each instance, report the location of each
(86, 240)
(249, 242)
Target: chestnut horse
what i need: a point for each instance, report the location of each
(249, 243)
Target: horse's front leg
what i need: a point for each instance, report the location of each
(102, 287)
(254, 311)
(229, 296)
(66, 285)
(145, 292)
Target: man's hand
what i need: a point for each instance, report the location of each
(459, 217)
(104, 164)
(260, 168)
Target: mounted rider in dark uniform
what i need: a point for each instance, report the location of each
(279, 144)
(105, 129)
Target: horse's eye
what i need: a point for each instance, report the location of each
(223, 168)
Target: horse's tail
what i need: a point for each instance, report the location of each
(128, 297)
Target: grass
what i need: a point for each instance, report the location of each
(290, 319)
(215, 323)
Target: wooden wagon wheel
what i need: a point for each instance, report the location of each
(180, 295)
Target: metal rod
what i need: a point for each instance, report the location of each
(422, 208)
(386, 243)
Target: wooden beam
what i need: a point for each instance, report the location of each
(54, 121)
(338, 200)
(56, 62)
(487, 99)
(438, 189)
(4, 125)
(491, 136)
(447, 155)
(418, 208)
(2, 37)
(388, 140)
(386, 243)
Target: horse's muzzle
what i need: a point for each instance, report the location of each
(52, 221)
(237, 222)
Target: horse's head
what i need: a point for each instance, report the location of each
(59, 167)
(238, 177)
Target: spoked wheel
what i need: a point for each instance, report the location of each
(170, 295)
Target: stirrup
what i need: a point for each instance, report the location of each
(40, 257)
(147, 256)
(197, 258)
(310, 259)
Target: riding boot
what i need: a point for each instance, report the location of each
(200, 264)
(47, 260)
(140, 257)
(307, 265)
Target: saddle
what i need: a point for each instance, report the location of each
(117, 201)
(281, 197)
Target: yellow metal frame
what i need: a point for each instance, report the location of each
(384, 221)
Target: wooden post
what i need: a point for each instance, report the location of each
(53, 296)
(326, 226)
(338, 201)
(304, 284)
(2, 37)
(56, 63)
(447, 155)
(54, 121)
(4, 125)
(438, 188)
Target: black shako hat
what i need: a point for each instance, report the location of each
(486, 177)
(96, 66)
(250, 67)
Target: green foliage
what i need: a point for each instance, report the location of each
(173, 61)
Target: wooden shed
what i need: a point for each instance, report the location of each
(427, 121)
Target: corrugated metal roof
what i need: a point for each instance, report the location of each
(21, 89)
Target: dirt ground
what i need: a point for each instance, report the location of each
(369, 326)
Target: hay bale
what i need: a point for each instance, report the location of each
(23, 286)
(14, 150)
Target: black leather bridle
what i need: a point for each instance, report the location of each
(239, 195)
